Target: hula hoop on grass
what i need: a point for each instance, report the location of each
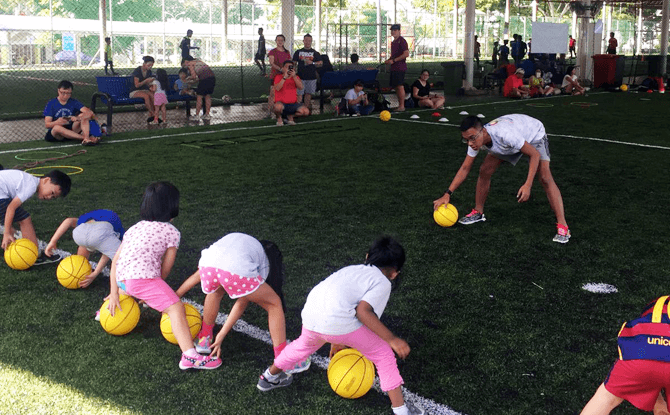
(41, 158)
(75, 170)
(539, 105)
(584, 104)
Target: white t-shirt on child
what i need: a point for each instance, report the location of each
(352, 94)
(510, 132)
(17, 183)
(566, 79)
(331, 305)
(238, 254)
(159, 90)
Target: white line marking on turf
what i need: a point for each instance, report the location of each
(600, 288)
(605, 140)
(513, 101)
(257, 333)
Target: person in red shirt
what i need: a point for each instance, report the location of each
(514, 87)
(571, 46)
(286, 85)
(612, 45)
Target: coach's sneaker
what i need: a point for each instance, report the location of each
(562, 234)
(198, 362)
(300, 367)
(266, 383)
(472, 217)
(203, 345)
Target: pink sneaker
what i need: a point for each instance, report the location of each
(199, 362)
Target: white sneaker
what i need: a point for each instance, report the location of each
(194, 118)
(206, 117)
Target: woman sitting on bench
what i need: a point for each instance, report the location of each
(143, 78)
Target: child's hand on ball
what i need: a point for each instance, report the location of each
(87, 280)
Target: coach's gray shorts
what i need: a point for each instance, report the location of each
(309, 87)
(542, 147)
(97, 236)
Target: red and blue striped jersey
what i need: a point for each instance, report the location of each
(648, 336)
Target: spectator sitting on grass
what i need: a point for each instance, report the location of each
(354, 65)
(286, 85)
(357, 100)
(514, 87)
(67, 118)
(421, 93)
(570, 84)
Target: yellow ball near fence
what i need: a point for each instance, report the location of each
(350, 374)
(21, 254)
(123, 321)
(192, 318)
(446, 215)
(624, 87)
(384, 115)
(71, 270)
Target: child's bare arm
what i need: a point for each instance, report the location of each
(7, 237)
(367, 316)
(64, 227)
(168, 261)
(189, 283)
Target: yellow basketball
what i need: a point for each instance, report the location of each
(350, 374)
(384, 115)
(124, 320)
(21, 254)
(71, 270)
(192, 318)
(624, 87)
(446, 215)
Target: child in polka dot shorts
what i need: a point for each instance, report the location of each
(143, 262)
(249, 272)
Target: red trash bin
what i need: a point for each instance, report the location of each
(605, 70)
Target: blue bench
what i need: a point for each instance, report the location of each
(115, 90)
(346, 79)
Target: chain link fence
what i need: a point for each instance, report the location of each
(42, 43)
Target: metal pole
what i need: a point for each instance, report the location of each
(224, 35)
(379, 30)
(506, 30)
(638, 47)
(455, 39)
(469, 40)
(317, 21)
(434, 26)
(163, 19)
(103, 29)
(664, 37)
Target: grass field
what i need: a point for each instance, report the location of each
(495, 313)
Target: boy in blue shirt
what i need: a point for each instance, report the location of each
(67, 118)
(100, 230)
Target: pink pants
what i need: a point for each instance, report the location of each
(364, 340)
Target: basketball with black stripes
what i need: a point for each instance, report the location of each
(72, 270)
(193, 319)
(445, 216)
(21, 254)
(350, 374)
(123, 321)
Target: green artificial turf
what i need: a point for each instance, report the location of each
(494, 312)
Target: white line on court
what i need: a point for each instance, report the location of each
(513, 101)
(627, 143)
(257, 333)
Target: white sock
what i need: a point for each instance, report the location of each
(269, 376)
(401, 410)
(191, 352)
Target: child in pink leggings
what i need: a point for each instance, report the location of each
(143, 262)
(344, 309)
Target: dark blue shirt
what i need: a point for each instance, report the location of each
(103, 215)
(56, 110)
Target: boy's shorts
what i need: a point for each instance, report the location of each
(290, 109)
(639, 381)
(154, 291)
(542, 147)
(397, 78)
(97, 236)
(19, 214)
(309, 87)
